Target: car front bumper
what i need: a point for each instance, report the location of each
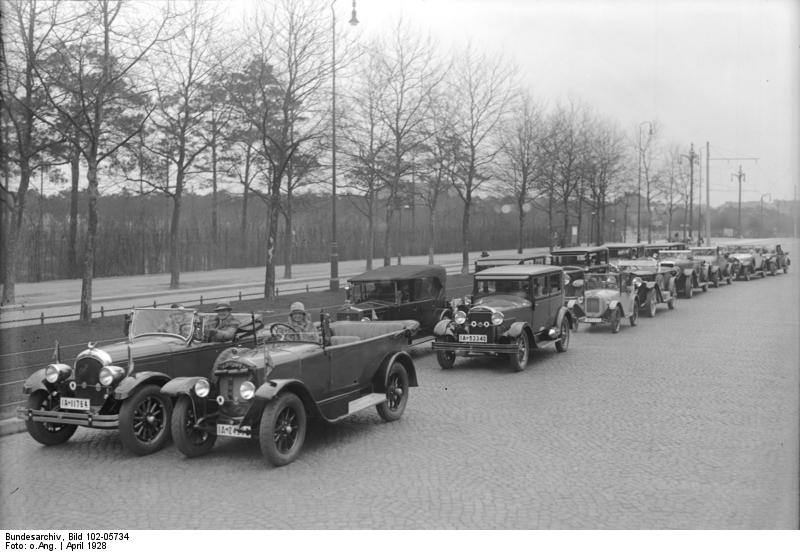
(85, 419)
(455, 346)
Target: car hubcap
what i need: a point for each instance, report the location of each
(285, 430)
(394, 394)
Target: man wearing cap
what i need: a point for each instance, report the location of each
(223, 326)
(299, 319)
(176, 322)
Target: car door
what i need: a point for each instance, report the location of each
(541, 302)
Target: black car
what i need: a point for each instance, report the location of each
(399, 292)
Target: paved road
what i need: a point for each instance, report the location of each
(689, 420)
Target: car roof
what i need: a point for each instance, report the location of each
(512, 257)
(663, 244)
(575, 250)
(517, 270)
(401, 272)
(622, 244)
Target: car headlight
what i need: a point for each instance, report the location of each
(460, 317)
(110, 374)
(497, 318)
(202, 388)
(580, 300)
(57, 372)
(247, 390)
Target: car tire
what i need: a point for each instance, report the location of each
(446, 359)
(46, 433)
(519, 358)
(715, 280)
(786, 269)
(189, 440)
(396, 394)
(562, 344)
(763, 273)
(616, 320)
(746, 274)
(145, 420)
(729, 278)
(651, 304)
(688, 289)
(283, 429)
(634, 318)
(772, 270)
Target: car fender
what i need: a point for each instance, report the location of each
(180, 386)
(562, 312)
(516, 329)
(688, 272)
(271, 389)
(443, 327)
(442, 314)
(380, 377)
(575, 308)
(614, 304)
(35, 382)
(130, 384)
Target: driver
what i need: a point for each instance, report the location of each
(299, 319)
(176, 322)
(224, 325)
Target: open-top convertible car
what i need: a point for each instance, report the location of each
(689, 272)
(512, 310)
(267, 393)
(610, 298)
(118, 385)
(399, 292)
(777, 259)
(748, 260)
(715, 263)
(490, 261)
(658, 283)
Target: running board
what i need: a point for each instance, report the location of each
(365, 402)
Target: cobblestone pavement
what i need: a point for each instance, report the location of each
(689, 420)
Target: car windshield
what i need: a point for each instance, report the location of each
(518, 289)
(638, 264)
(740, 249)
(374, 291)
(708, 252)
(601, 281)
(623, 253)
(167, 321)
(669, 255)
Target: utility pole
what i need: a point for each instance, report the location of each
(740, 182)
(740, 176)
(691, 189)
(708, 200)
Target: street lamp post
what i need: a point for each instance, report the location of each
(334, 281)
(613, 230)
(639, 181)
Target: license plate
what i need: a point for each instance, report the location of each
(472, 338)
(232, 431)
(74, 404)
(592, 320)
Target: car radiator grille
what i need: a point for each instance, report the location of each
(480, 323)
(87, 374)
(593, 305)
(234, 405)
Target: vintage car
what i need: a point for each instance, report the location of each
(399, 292)
(658, 283)
(267, 393)
(748, 260)
(624, 252)
(576, 261)
(689, 272)
(716, 263)
(490, 261)
(610, 298)
(652, 249)
(778, 259)
(118, 385)
(512, 310)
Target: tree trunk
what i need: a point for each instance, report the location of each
(75, 168)
(287, 239)
(174, 232)
(521, 221)
(214, 196)
(15, 235)
(387, 253)
(245, 197)
(91, 240)
(370, 238)
(465, 229)
(272, 234)
(566, 223)
(431, 233)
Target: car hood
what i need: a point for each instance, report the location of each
(281, 353)
(140, 347)
(502, 303)
(742, 256)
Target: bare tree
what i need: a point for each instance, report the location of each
(111, 111)
(521, 139)
(27, 29)
(482, 91)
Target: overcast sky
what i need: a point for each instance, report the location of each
(722, 71)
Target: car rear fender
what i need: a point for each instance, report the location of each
(35, 382)
(180, 386)
(130, 384)
(443, 327)
(379, 380)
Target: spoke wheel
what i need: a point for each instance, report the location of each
(283, 429)
(144, 420)
(396, 393)
(563, 342)
(190, 440)
(46, 433)
(519, 358)
(634, 313)
(747, 274)
(651, 304)
(688, 288)
(446, 359)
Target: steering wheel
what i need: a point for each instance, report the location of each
(282, 332)
(248, 328)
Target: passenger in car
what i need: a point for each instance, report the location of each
(224, 324)
(300, 321)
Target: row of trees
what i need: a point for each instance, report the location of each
(174, 102)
